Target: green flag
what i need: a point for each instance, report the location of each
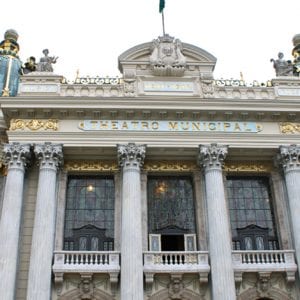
(161, 5)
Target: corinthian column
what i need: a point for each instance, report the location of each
(16, 157)
(40, 268)
(289, 158)
(131, 158)
(223, 286)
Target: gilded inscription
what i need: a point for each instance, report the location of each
(170, 166)
(248, 167)
(34, 124)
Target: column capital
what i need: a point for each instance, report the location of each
(16, 155)
(289, 157)
(49, 155)
(130, 154)
(212, 156)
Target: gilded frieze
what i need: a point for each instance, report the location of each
(33, 125)
(289, 128)
(248, 167)
(100, 166)
(170, 166)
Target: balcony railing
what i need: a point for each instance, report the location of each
(176, 263)
(265, 261)
(89, 262)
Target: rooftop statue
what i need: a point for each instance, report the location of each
(29, 66)
(166, 58)
(282, 67)
(45, 63)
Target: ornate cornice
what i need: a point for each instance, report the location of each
(212, 156)
(49, 155)
(289, 157)
(16, 155)
(170, 166)
(130, 154)
(34, 124)
(90, 166)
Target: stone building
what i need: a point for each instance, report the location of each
(163, 184)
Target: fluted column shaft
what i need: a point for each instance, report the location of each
(223, 286)
(290, 160)
(40, 268)
(16, 158)
(131, 158)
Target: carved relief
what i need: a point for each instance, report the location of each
(131, 154)
(102, 166)
(34, 124)
(249, 167)
(170, 166)
(166, 58)
(289, 128)
(212, 156)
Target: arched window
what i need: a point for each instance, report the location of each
(251, 214)
(89, 215)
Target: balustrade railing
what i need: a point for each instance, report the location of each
(72, 260)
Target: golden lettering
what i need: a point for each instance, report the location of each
(185, 125)
(134, 124)
(226, 126)
(94, 124)
(103, 125)
(114, 125)
(196, 126)
(237, 127)
(173, 125)
(212, 126)
(246, 127)
(124, 125)
(154, 125)
(145, 125)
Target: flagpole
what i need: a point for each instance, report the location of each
(163, 22)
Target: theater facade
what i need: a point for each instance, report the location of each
(165, 183)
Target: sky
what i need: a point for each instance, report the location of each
(89, 35)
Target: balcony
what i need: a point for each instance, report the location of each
(86, 263)
(176, 263)
(265, 263)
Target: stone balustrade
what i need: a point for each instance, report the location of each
(264, 262)
(176, 263)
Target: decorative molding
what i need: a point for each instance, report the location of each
(170, 166)
(248, 167)
(34, 124)
(93, 165)
(289, 128)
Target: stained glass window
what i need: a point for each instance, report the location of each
(250, 208)
(170, 204)
(89, 215)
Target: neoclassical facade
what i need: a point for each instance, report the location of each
(163, 184)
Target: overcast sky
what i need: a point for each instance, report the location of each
(89, 35)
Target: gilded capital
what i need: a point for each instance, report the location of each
(289, 157)
(49, 155)
(16, 155)
(131, 154)
(212, 156)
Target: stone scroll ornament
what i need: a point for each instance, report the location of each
(166, 58)
(131, 153)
